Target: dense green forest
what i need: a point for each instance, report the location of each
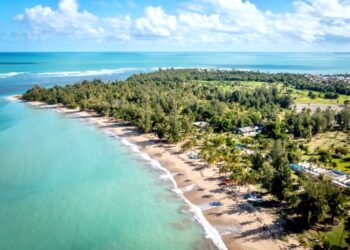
(168, 102)
(299, 81)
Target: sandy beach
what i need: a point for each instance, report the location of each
(240, 224)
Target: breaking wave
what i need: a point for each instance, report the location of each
(87, 73)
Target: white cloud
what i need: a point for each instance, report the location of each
(207, 21)
(117, 27)
(67, 20)
(321, 18)
(199, 21)
(69, 6)
(325, 8)
(310, 21)
(156, 23)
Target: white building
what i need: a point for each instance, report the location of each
(248, 131)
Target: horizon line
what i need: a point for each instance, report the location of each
(96, 51)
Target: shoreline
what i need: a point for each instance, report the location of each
(235, 225)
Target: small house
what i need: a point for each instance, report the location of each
(201, 124)
(248, 131)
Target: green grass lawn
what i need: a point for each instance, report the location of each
(344, 164)
(329, 141)
(335, 235)
(232, 85)
(301, 97)
(332, 234)
(253, 84)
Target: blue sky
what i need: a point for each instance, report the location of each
(175, 25)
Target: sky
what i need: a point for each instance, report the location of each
(175, 25)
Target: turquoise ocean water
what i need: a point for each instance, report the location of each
(66, 185)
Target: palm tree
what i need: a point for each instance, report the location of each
(336, 200)
(237, 175)
(189, 145)
(346, 228)
(312, 204)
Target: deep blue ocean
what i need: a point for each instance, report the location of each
(19, 71)
(66, 185)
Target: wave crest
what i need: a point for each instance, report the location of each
(101, 72)
(86, 72)
(10, 74)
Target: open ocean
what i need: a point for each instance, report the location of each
(66, 185)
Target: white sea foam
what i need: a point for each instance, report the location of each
(10, 74)
(86, 72)
(209, 230)
(101, 72)
(110, 133)
(12, 98)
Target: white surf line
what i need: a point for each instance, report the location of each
(10, 74)
(81, 73)
(97, 72)
(12, 98)
(209, 230)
